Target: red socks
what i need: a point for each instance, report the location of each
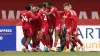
(38, 42)
(74, 42)
(34, 44)
(26, 45)
(79, 41)
(43, 41)
(67, 44)
(55, 43)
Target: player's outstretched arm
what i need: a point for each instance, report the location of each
(34, 17)
(48, 13)
(61, 12)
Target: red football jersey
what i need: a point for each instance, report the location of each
(36, 24)
(71, 17)
(26, 18)
(55, 14)
(54, 17)
(43, 16)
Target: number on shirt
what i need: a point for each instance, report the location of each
(45, 17)
(24, 18)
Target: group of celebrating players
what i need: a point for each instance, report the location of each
(40, 22)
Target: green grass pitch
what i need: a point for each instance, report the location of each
(49, 53)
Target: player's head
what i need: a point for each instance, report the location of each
(28, 8)
(48, 4)
(31, 5)
(34, 9)
(67, 6)
(39, 7)
(44, 5)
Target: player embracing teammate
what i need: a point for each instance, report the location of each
(27, 16)
(40, 22)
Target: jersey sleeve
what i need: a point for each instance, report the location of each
(73, 15)
(33, 16)
(40, 13)
(61, 12)
(53, 10)
(71, 18)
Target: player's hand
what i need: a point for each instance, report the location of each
(64, 16)
(45, 12)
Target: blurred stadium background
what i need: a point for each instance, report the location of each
(89, 26)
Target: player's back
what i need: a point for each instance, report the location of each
(43, 16)
(70, 13)
(74, 14)
(71, 16)
(25, 16)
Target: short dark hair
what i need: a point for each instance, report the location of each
(40, 5)
(66, 4)
(31, 5)
(28, 8)
(49, 3)
(44, 4)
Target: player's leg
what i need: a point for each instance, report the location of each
(42, 37)
(74, 44)
(25, 39)
(55, 41)
(72, 48)
(63, 35)
(28, 33)
(34, 42)
(27, 42)
(33, 39)
(68, 34)
(38, 49)
(46, 35)
(67, 42)
(38, 42)
(75, 34)
(63, 41)
(47, 39)
(51, 29)
(50, 32)
(57, 34)
(71, 39)
(77, 40)
(56, 37)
